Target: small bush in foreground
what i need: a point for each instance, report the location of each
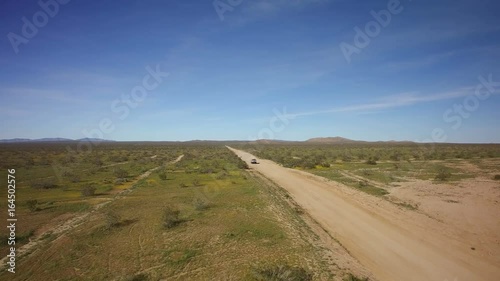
(281, 273)
(138, 277)
(354, 278)
(112, 219)
(371, 161)
(200, 204)
(171, 217)
(496, 177)
(163, 176)
(443, 175)
(32, 205)
(44, 183)
(88, 190)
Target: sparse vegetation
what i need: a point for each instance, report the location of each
(227, 213)
(46, 183)
(281, 272)
(138, 277)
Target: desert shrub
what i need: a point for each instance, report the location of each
(120, 181)
(32, 205)
(496, 177)
(371, 161)
(221, 175)
(112, 219)
(346, 158)
(325, 164)
(88, 190)
(443, 175)
(242, 165)
(162, 176)
(366, 172)
(351, 277)
(281, 273)
(200, 204)
(196, 182)
(74, 179)
(120, 173)
(308, 164)
(25, 236)
(97, 162)
(138, 277)
(182, 185)
(44, 183)
(362, 183)
(171, 217)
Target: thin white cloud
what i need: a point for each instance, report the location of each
(266, 6)
(404, 99)
(47, 94)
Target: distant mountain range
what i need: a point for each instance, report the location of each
(51, 140)
(330, 140)
(322, 140)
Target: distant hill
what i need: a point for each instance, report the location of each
(332, 140)
(341, 140)
(17, 140)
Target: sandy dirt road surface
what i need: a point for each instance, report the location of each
(392, 242)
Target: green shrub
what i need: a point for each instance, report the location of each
(371, 161)
(88, 190)
(200, 204)
(363, 183)
(112, 219)
(354, 278)
(120, 173)
(32, 205)
(443, 175)
(242, 165)
(44, 183)
(138, 277)
(171, 217)
(163, 176)
(281, 273)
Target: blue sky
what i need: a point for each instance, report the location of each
(267, 69)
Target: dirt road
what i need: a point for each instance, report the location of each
(392, 242)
